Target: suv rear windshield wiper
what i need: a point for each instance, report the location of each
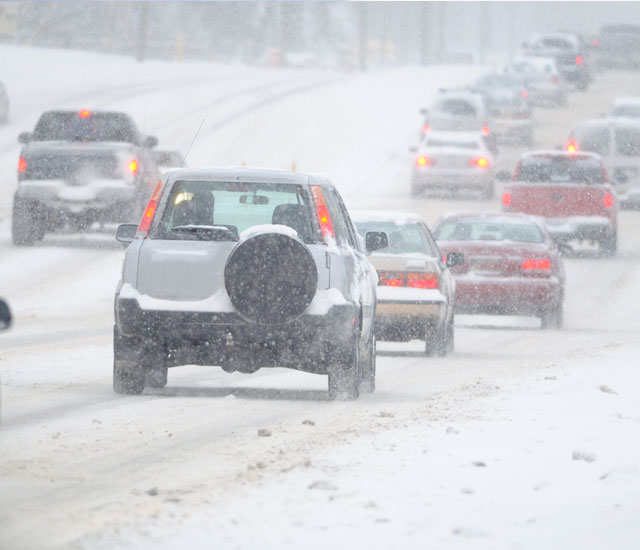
(208, 232)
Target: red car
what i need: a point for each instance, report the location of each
(511, 265)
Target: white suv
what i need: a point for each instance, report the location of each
(245, 268)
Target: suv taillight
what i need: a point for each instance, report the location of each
(322, 211)
(150, 211)
(608, 200)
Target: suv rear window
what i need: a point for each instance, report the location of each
(560, 169)
(206, 210)
(457, 107)
(85, 126)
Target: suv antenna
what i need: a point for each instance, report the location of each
(184, 159)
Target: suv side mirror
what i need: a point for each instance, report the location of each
(5, 315)
(503, 175)
(150, 142)
(454, 259)
(126, 232)
(25, 137)
(376, 240)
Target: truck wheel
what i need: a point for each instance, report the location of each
(368, 368)
(552, 318)
(128, 372)
(156, 377)
(609, 245)
(344, 374)
(24, 227)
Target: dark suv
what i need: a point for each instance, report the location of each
(245, 269)
(81, 167)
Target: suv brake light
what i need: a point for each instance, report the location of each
(22, 165)
(485, 130)
(424, 161)
(506, 198)
(324, 218)
(426, 129)
(572, 146)
(85, 113)
(579, 60)
(133, 166)
(150, 211)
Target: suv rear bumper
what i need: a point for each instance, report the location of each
(223, 338)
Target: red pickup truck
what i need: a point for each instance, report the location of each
(571, 191)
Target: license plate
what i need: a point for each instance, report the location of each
(486, 265)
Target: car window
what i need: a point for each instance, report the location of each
(340, 227)
(436, 142)
(457, 107)
(556, 43)
(561, 169)
(594, 139)
(404, 238)
(625, 110)
(627, 142)
(85, 126)
(236, 206)
(345, 219)
(488, 230)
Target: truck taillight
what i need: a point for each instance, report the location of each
(150, 211)
(536, 264)
(133, 166)
(22, 165)
(506, 199)
(572, 146)
(387, 278)
(579, 60)
(322, 211)
(423, 160)
(608, 200)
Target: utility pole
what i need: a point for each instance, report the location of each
(362, 32)
(143, 23)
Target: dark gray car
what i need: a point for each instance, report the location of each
(245, 269)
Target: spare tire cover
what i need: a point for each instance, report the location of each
(270, 278)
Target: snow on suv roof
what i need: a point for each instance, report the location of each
(559, 153)
(241, 173)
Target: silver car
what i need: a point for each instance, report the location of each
(245, 269)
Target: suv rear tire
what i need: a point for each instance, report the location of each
(368, 368)
(344, 375)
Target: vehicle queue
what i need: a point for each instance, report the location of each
(257, 226)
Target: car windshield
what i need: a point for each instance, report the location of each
(594, 139)
(498, 81)
(561, 169)
(232, 207)
(438, 142)
(488, 230)
(554, 43)
(404, 238)
(85, 126)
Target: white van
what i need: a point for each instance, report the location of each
(617, 141)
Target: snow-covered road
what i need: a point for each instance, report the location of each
(521, 439)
